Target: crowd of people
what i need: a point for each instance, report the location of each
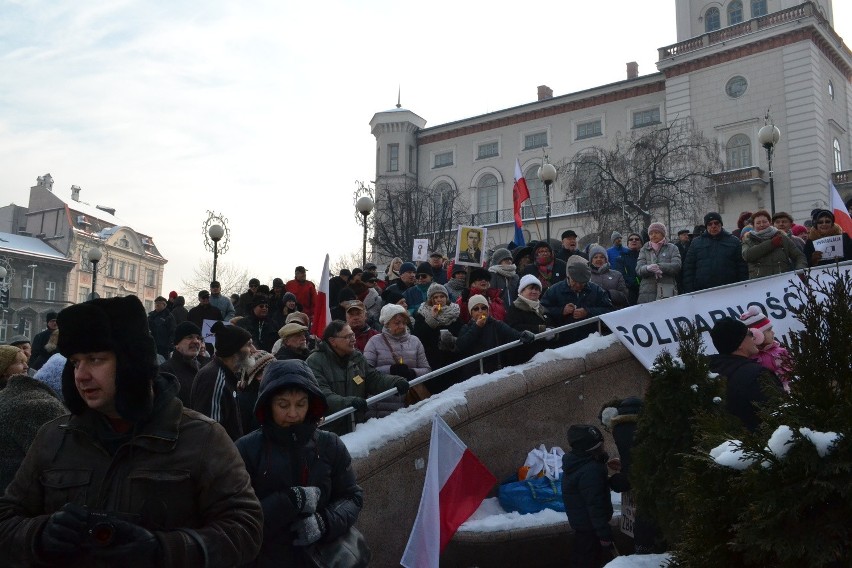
(138, 438)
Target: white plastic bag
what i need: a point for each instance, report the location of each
(543, 460)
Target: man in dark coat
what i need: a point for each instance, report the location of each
(39, 353)
(179, 311)
(169, 486)
(569, 247)
(184, 363)
(259, 324)
(746, 378)
(162, 327)
(714, 258)
(395, 293)
(243, 306)
(294, 342)
(626, 264)
(336, 284)
(576, 299)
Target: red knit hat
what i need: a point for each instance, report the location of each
(757, 321)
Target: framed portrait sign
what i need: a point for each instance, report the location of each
(469, 245)
(421, 250)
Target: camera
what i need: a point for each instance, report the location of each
(101, 526)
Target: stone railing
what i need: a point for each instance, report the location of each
(749, 174)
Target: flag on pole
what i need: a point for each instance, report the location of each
(456, 483)
(322, 311)
(520, 193)
(841, 214)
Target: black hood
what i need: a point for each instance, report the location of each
(290, 373)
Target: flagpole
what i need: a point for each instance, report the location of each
(535, 218)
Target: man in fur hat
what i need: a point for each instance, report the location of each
(130, 477)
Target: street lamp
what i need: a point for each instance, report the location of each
(547, 174)
(216, 236)
(364, 207)
(768, 136)
(216, 233)
(94, 255)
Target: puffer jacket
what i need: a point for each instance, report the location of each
(179, 472)
(279, 458)
(585, 492)
(668, 259)
(612, 282)
(765, 259)
(591, 298)
(713, 261)
(384, 350)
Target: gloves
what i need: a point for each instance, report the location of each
(777, 241)
(527, 337)
(132, 545)
(64, 531)
(402, 370)
(655, 268)
(305, 499)
(356, 402)
(402, 386)
(308, 530)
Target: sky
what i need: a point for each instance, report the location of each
(259, 111)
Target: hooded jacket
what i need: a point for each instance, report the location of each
(585, 492)
(279, 458)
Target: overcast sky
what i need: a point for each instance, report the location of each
(259, 110)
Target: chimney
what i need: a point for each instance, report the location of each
(75, 192)
(544, 92)
(110, 210)
(632, 70)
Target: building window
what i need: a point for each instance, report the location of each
(122, 267)
(4, 324)
(537, 194)
(393, 157)
(646, 117)
(83, 295)
(51, 290)
(84, 261)
(735, 12)
(712, 21)
(110, 268)
(589, 129)
(758, 8)
(736, 87)
(443, 159)
(412, 160)
(830, 89)
(149, 277)
(585, 178)
(537, 140)
(131, 277)
(149, 305)
(124, 243)
(487, 150)
(28, 328)
(28, 289)
(838, 161)
(486, 199)
(738, 151)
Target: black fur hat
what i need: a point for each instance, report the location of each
(119, 325)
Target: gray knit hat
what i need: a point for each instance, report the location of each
(436, 288)
(615, 235)
(500, 255)
(596, 249)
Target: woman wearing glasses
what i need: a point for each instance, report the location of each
(824, 226)
(483, 332)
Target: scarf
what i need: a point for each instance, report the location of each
(659, 245)
(764, 234)
(546, 272)
(527, 305)
(446, 316)
(505, 271)
(456, 286)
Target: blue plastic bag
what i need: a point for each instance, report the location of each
(531, 495)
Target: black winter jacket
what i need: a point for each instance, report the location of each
(746, 381)
(585, 492)
(263, 332)
(713, 261)
(474, 339)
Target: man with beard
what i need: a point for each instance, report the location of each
(214, 390)
(184, 363)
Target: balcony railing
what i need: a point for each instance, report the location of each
(842, 180)
(748, 176)
(567, 207)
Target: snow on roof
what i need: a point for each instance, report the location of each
(91, 211)
(376, 432)
(28, 245)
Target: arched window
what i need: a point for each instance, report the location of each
(830, 90)
(738, 151)
(838, 160)
(442, 195)
(758, 8)
(486, 199)
(735, 12)
(712, 20)
(535, 185)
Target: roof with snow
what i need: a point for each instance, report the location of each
(30, 246)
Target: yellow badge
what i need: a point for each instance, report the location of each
(357, 379)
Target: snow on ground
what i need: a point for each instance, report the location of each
(639, 561)
(377, 432)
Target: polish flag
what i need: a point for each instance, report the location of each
(841, 214)
(322, 311)
(456, 483)
(520, 193)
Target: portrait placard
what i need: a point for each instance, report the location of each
(420, 252)
(469, 245)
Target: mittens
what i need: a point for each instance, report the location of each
(356, 402)
(402, 386)
(402, 370)
(527, 337)
(308, 530)
(305, 499)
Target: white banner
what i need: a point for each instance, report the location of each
(420, 251)
(647, 329)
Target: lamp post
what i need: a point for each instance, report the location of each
(216, 232)
(547, 174)
(94, 255)
(216, 236)
(364, 207)
(768, 136)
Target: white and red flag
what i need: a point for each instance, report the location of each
(841, 214)
(456, 483)
(322, 311)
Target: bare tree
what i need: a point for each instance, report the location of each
(348, 260)
(406, 211)
(234, 279)
(644, 176)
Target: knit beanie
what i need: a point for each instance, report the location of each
(407, 267)
(757, 321)
(288, 297)
(257, 364)
(436, 288)
(528, 280)
(584, 438)
(229, 338)
(425, 268)
(500, 255)
(475, 300)
(389, 311)
(8, 354)
(51, 372)
(712, 216)
(728, 334)
(615, 235)
(657, 227)
(185, 329)
(118, 325)
(50, 316)
(597, 249)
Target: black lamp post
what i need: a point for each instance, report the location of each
(364, 207)
(216, 232)
(94, 255)
(547, 174)
(769, 135)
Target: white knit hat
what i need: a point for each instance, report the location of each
(389, 311)
(757, 321)
(475, 300)
(528, 280)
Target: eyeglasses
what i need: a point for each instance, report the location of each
(349, 337)
(479, 309)
(634, 239)
(422, 276)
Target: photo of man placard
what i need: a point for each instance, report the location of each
(469, 245)
(421, 250)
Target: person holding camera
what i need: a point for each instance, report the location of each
(130, 477)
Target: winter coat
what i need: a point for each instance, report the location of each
(280, 458)
(202, 312)
(263, 332)
(185, 370)
(428, 330)
(40, 352)
(522, 317)
(335, 376)
(745, 380)
(764, 259)
(26, 405)
(214, 393)
(415, 296)
(585, 492)
(384, 350)
(362, 336)
(557, 274)
(180, 314)
(305, 292)
(613, 283)
(176, 471)
(506, 285)
(496, 307)
(713, 261)
(668, 260)
(614, 252)
(809, 250)
(773, 357)
(592, 298)
(225, 306)
(162, 326)
(474, 339)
